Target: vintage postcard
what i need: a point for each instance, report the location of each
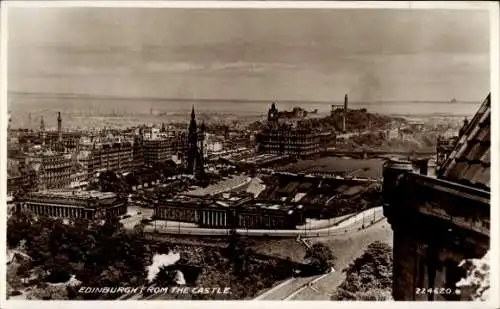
(248, 151)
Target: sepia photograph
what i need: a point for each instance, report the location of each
(247, 153)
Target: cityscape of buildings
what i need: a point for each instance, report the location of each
(45, 161)
(55, 174)
(333, 199)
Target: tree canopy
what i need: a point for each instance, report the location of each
(109, 181)
(105, 254)
(96, 253)
(369, 277)
(320, 257)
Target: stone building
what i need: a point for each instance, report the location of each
(285, 140)
(73, 204)
(228, 211)
(179, 143)
(443, 148)
(138, 159)
(343, 109)
(113, 155)
(297, 139)
(157, 150)
(53, 170)
(440, 221)
(79, 179)
(61, 141)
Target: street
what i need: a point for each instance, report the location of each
(346, 248)
(353, 223)
(136, 214)
(348, 237)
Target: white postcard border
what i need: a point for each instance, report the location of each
(495, 185)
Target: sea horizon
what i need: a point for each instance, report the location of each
(84, 111)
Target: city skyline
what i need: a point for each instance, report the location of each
(249, 154)
(251, 54)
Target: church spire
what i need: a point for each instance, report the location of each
(192, 123)
(194, 157)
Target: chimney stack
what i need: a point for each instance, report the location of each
(421, 166)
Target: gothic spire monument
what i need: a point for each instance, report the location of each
(194, 156)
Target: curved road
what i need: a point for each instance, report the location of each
(290, 288)
(306, 288)
(363, 218)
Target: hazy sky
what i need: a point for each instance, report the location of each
(251, 53)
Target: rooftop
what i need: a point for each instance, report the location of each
(225, 200)
(262, 158)
(469, 162)
(273, 206)
(222, 199)
(75, 194)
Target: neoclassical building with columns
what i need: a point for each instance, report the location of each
(228, 210)
(73, 204)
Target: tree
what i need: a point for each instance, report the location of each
(282, 269)
(166, 169)
(320, 257)
(58, 268)
(111, 226)
(239, 251)
(132, 180)
(38, 246)
(23, 270)
(369, 277)
(110, 182)
(95, 252)
(165, 277)
(47, 292)
(92, 186)
(111, 276)
(18, 228)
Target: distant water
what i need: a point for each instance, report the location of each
(87, 112)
